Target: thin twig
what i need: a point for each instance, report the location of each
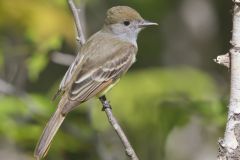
(112, 120)
(62, 58)
(106, 106)
(80, 36)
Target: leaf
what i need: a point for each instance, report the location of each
(36, 63)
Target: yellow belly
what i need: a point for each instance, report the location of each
(107, 89)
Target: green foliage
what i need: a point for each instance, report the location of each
(148, 103)
(155, 87)
(154, 101)
(42, 25)
(38, 19)
(39, 60)
(36, 64)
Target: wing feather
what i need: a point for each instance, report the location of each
(68, 75)
(92, 82)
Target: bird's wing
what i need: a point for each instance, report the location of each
(93, 80)
(81, 56)
(68, 75)
(70, 71)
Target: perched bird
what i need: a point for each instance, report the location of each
(101, 61)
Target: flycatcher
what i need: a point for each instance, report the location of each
(101, 61)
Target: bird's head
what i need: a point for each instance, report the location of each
(124, 20)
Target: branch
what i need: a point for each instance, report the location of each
(80, 36)
(106, 106)
(7, 88)
(112, 120)
(229, 146)
(223, 60)
(62, 58)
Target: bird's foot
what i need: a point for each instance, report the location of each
(105, 103)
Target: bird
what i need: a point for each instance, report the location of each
(101, 61)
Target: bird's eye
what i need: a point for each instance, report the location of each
(126, 23)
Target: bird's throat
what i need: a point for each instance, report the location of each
(129, 37)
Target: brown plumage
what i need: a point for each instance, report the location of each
(122, 13)
(101, 61)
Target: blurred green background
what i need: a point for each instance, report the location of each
(171, 104)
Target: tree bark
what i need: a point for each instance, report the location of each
(229, 146)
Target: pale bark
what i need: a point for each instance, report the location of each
(229, 146)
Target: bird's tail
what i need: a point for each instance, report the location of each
(49, 132)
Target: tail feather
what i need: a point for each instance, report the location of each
(48, 134)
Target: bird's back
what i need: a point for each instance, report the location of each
(101, 50)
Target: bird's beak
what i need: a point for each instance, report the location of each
(146, 23)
